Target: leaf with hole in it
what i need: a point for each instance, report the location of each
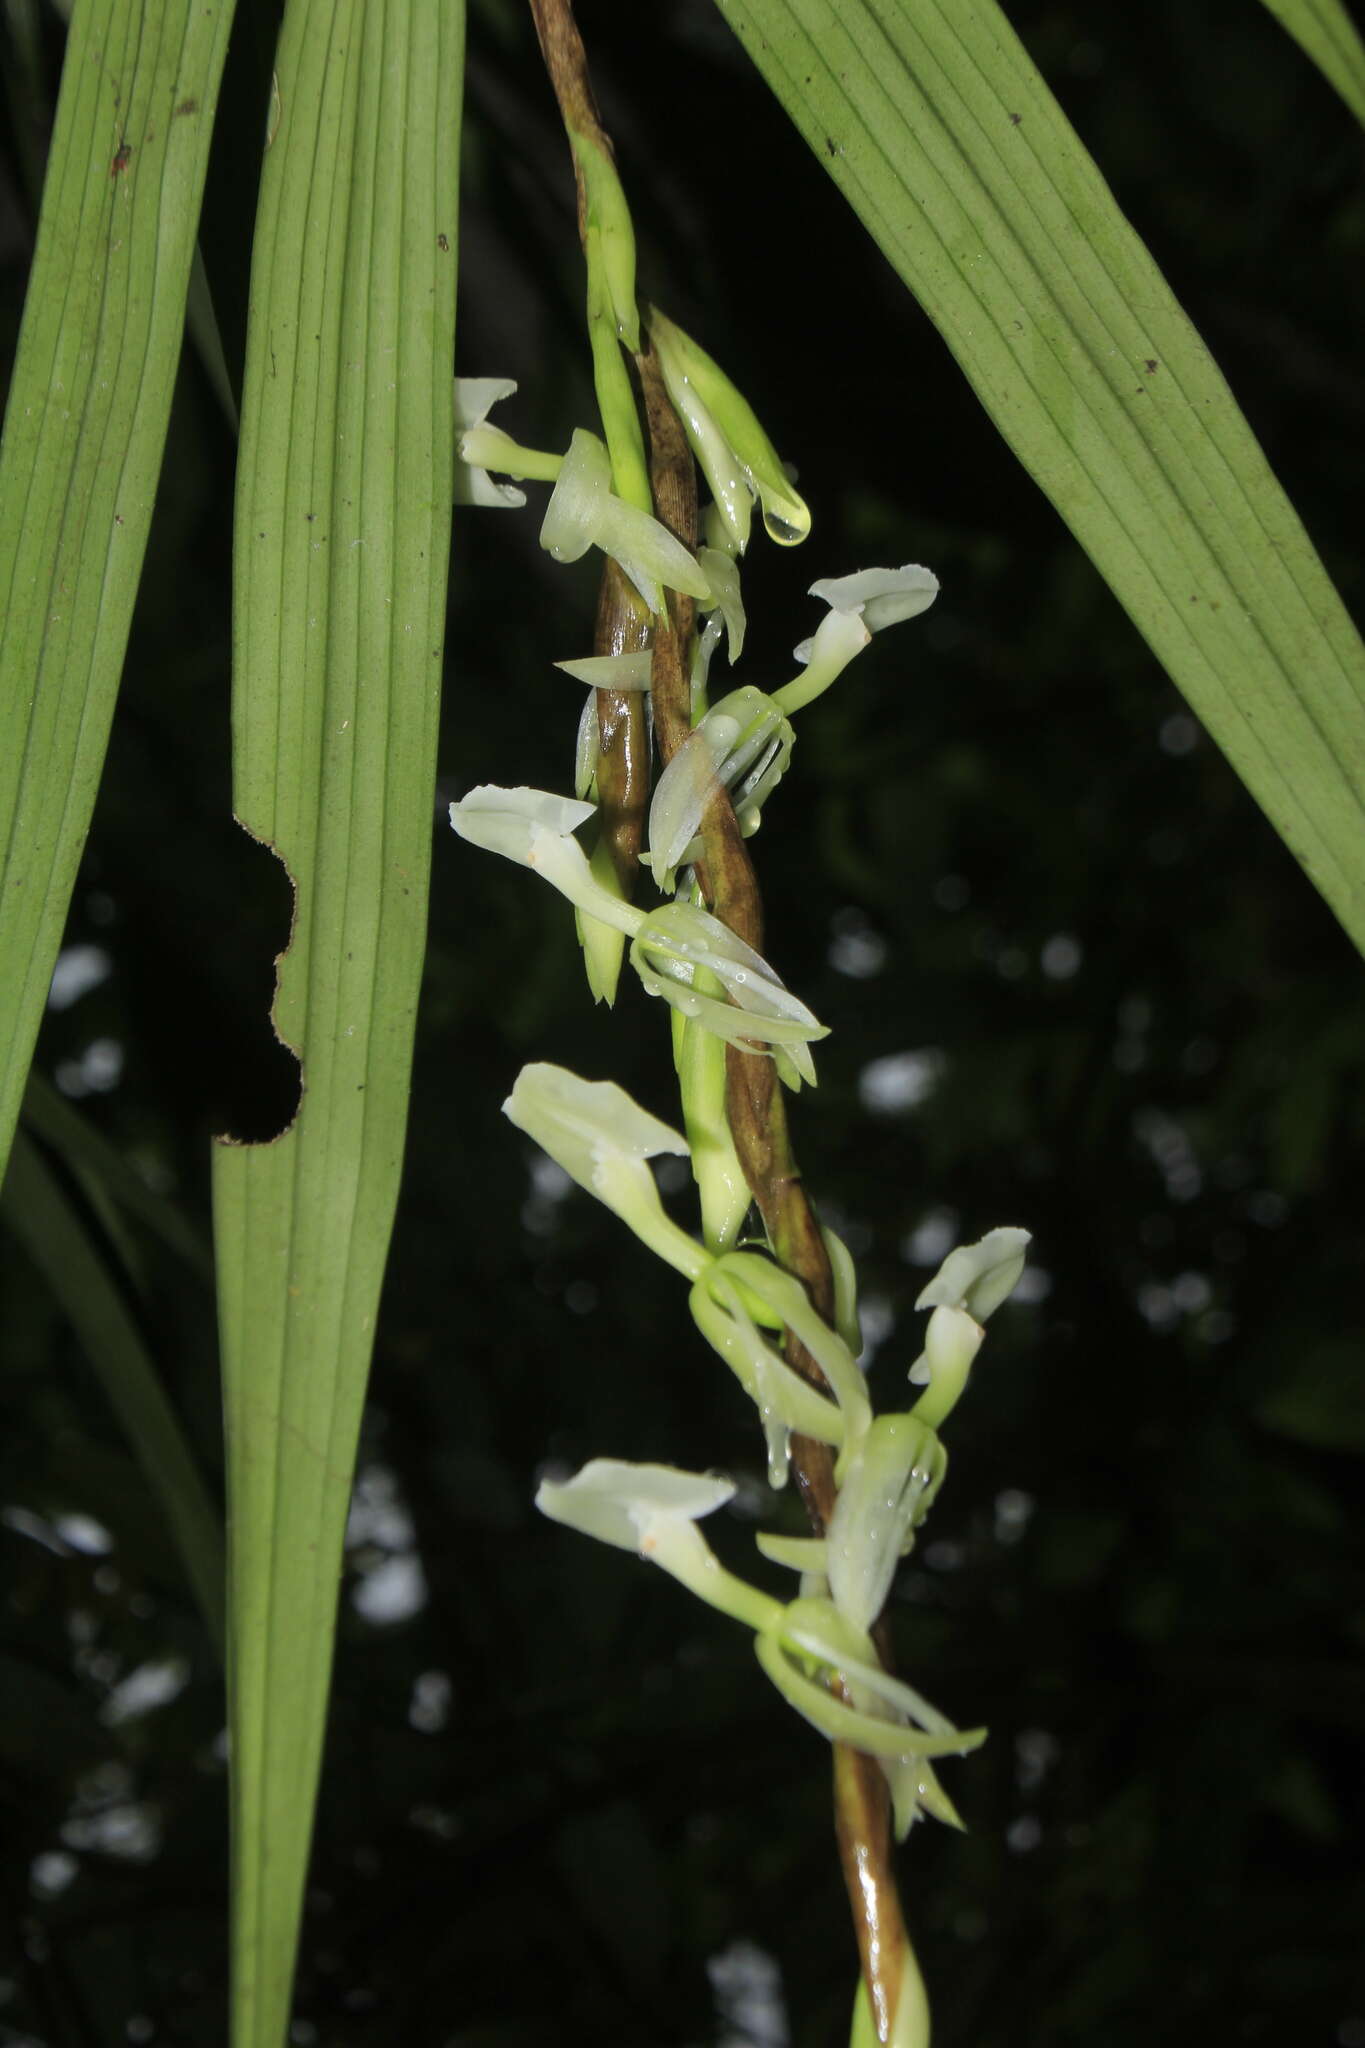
(949, 146)
(1325, 31)
(342, 543)
(84, 431)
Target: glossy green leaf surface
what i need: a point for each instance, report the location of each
(342, 538)
(961, 164)
(84, 432)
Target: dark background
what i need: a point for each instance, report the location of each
(556, 1789)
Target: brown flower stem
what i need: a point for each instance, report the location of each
(623, 627)
(755, 1104)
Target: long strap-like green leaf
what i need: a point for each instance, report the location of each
(342, 540)
(1326, 32)
(84, 432)
(959, 161)
(36, 1208)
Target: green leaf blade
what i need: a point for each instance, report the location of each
(342, 541)
(952, 150)
(48, 1224)
(85, 428)
(1325, 32)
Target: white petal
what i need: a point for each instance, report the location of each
(978, 1277)
(573, 516)
(550, 1099)
(619, 1502)
(503, 820)
(884, 596)
(476, 396)
(473, 486)
(723, 576)
(648, 552)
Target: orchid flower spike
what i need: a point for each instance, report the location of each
(736, 457)
(604, 1141)
(584, 513)
(479, 447)
(860, 605)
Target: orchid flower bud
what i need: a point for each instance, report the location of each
(724, 1193)
(736, 457)
(607, 214)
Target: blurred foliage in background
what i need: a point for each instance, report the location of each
(1074, 981)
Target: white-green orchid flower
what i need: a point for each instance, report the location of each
(815, 1648)
(536, 829)
(584, 513)
(604, 1141)
(807, 1648)
(969, 1286)
(480, 448)
(736, 457)
(978, 1277)
(676, 947)
(860, 605)
(669, 945)
(653, 1510)
(742, 744)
